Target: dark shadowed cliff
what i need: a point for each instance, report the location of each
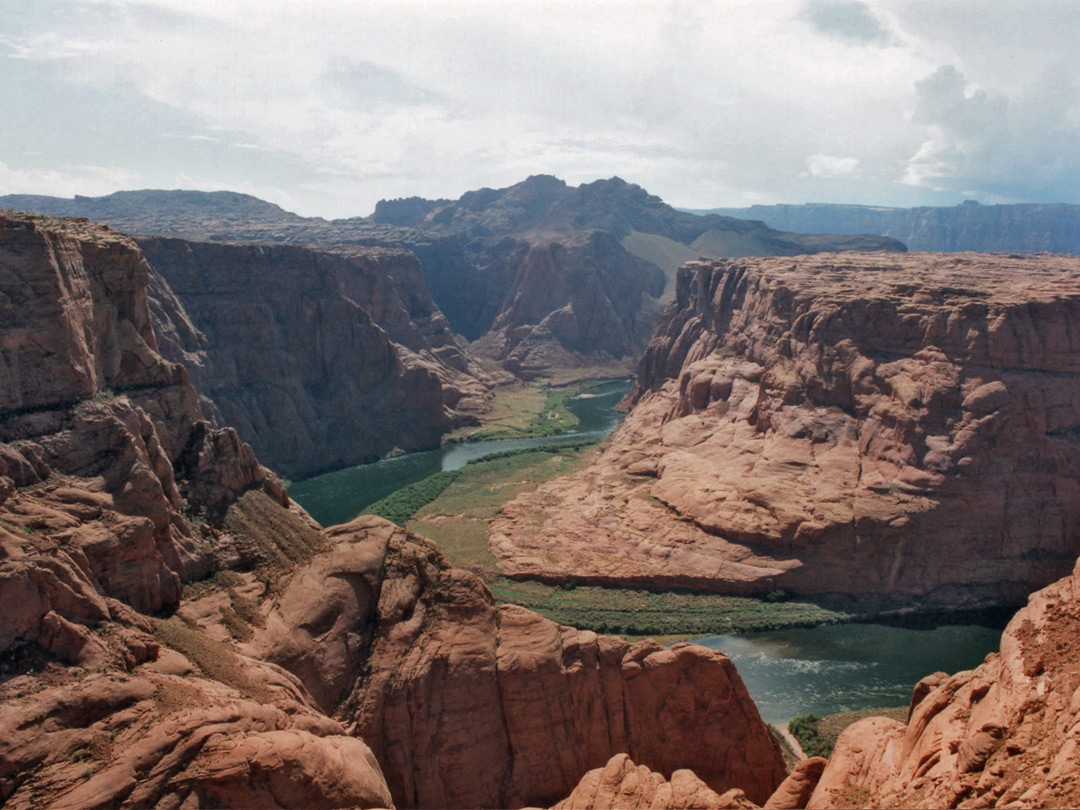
(319, 359)
(534, 272)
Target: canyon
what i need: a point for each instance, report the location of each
(876, 431)
(548, 281)
(160, 647)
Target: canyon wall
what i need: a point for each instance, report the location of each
(159, 642)
(877, 431)
(469, 704)
(113, 492)
(320, 360)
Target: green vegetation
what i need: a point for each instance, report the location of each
(638, 612)
(484, 483)
(402, 504)
(818, 735)
(455, 514)
(821, 733)
(526, 419)
(804, 729)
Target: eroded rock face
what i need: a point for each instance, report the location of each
(900, 429)
(1001, 735)
(113, 491)
(467, 704)
(319, 359)
(621, 784)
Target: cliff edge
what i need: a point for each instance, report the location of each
(881, 431)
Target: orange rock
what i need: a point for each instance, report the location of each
(882, 426)
(620, 785)
(795, 791)
(466, 704)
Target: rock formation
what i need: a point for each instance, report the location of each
(1001, 735)
(1017, 228)
(114, 491)
(118, 501)
(467, 704)
(553, 281)
(621, 784)
(320, 360)
(885, 431)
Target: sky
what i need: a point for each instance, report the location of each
(327, 106)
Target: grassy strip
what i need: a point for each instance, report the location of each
(638, 612)
(402, 504)
(554, 417)
(818, 735)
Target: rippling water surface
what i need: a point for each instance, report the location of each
(844, 667)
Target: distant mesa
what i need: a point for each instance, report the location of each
(970, 226)
(548, 280)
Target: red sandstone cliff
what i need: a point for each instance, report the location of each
(467, 704)
(114, 491)
(319, 359)
(897, 428)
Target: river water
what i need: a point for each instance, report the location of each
(844, 667)
(340, 496)
(834, 668)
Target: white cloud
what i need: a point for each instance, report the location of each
(64, 181)
(700, 101)
(978, 142)
(830, 165)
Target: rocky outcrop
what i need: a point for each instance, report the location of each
(319, 359)
(162, 735)
(113, 492)
(467, 704)
(1017, 228)
(553, 281)
(1001, 735)
(621, 784)
(885, 431)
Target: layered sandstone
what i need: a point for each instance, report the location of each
(901, 429)
(113, 492)
(467, 704)
(1001, 735)
(319, 359)
(553, 281)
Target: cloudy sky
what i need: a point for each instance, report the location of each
(327, 106)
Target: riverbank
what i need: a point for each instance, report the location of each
(524, 411)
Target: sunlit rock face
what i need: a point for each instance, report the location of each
(881, 430)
